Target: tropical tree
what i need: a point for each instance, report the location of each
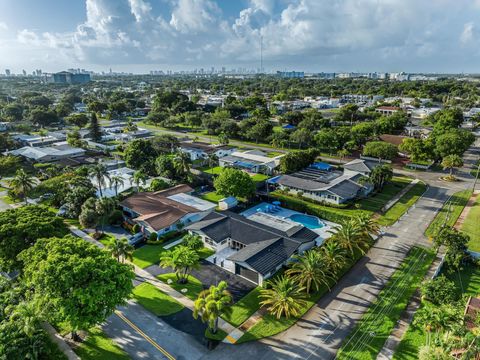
(212, 160)
(284, 297)
(100, 174)
(116, 181)
(367, 226)
(138, 177)
(193, 241)
(181, 164)
(21, 184)
(182, 260)
(121, 249)
(309, 270)
(211, 304)
(450, 162)
(334, 256)
(380, 175)
(234, 182)
(350, 237)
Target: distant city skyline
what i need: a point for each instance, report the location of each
(139, 36)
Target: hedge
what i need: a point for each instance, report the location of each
(325, 212)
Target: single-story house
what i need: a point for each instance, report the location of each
(48, 154)
(252, 249)
(40, 140)
(387, 110)
(167, 210)
(200, 150)
(326, 184)
(253, 161)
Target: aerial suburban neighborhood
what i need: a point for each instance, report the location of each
(241, 211)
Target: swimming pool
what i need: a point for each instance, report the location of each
(308, 221)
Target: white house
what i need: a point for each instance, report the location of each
(200, 150)
(253, 161)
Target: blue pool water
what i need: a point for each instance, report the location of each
(308, 221)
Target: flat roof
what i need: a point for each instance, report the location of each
(192, 201)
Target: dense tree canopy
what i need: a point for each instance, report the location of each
(234, 182)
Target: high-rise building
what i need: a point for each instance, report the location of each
(65, 77)
(7, 72)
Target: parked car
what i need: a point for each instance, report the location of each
(135, 239)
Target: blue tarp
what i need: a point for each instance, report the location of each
(321, 166)
(274, 180)
(288, 127)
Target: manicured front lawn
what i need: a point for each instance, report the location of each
(467, 279)
(205, 252)
(244, 308)
(402, 205)
(273, 154)
(147, 255)
(259, 177)
(368, 337)
(212, 196)
(156, 301)
(216, 170)
(449, 213)
(219, 335)
(194, 286)
(376, 202)
(98, 346)
(471, 226)
(106, 239)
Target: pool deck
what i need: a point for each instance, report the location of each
(286, 213)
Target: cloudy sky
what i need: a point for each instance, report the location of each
(310, 35)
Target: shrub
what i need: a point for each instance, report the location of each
(153, 237)
(135, 228)
(116, 218)
(439, 291)
(158, 184)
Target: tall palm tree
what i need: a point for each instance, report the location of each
(284, 298)
(182, 260)
(121, 249)
(116, 181)
(138, 177)
(100, 174)
(22, 183)
(212, 160)
(211, 304)
(334, 256)
(309, 270)
(350, 237)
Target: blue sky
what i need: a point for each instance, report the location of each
(310, 35)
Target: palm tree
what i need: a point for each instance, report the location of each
(334, 256)
(121, 249)
(367, 226)
(211, 304)
(181, 163)
(138, 177)
(100, 174)
(182, 260)
(116, 181)
(309, 269)
(350, 237)
(27, 316)
(284, 298)
(22, 183)
(212, 160)
(450, 162)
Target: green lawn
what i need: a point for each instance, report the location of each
(219, 335)
(205, 252)
(212, 196)
(471, 226)
(73, 222)
(368, 337)
(273, 154)
(449, 213)
(8, 200)
(244, 308)
(213, 171)
(467, 279)
(156, 301)
(147, 255)
(194, 286)
(376, 202)
(259, 177)
(99, 346)
(106, 239)
(402, 205)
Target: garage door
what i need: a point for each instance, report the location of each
(246, 273)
